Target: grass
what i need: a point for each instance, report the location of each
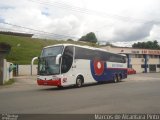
(25, 48)
(9, 82)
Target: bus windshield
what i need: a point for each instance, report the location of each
(47, 62)
(52, 51)
(47, 66)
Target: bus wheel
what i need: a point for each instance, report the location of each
(60, 87)
(115, 80)
(79, 82)
(119, 78)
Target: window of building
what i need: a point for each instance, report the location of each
(156, 56)
(137, 56)
(130, 66)
(143, 66)
(158, 65)
(140, 56)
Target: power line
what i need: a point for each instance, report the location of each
(80, 10)
(42, 35)
(87, 11)
(92, 12)
(41, 32)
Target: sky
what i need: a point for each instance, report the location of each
(120, 22)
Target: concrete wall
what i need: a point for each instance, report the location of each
(153, 61)
(26, 70)
(136, 64)
(6, 74)
(157, 69)
(138, 68)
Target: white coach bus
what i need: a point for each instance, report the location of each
(66, 64)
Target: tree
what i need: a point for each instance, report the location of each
(147, 45)
(90, 37)
(109, 44)
(70, 40)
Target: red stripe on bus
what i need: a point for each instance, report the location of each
(118, 68)
(49, 82)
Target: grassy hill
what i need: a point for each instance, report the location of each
(24, 48)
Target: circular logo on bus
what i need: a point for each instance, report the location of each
(98, 67)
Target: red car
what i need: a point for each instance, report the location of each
(131, 71)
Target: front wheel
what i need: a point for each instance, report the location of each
(79, 82)
(59, 87)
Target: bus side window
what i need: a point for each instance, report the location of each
(67, 59)
(124, 60)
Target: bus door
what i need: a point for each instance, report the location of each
(67, 63)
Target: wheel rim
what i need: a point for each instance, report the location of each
(119, 78)
(79, 82)
(115, 79)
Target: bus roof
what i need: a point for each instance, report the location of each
(87, 47)
(71, 45)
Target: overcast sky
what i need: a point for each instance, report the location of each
(121, 22)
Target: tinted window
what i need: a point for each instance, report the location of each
(83, 53)
(52, 51)
(67, 59)
(106, 56)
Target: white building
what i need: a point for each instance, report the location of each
(142, 60)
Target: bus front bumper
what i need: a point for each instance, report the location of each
(49, 82)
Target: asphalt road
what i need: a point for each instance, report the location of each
(139, 93)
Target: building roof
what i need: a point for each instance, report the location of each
(130, 50)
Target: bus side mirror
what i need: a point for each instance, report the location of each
(57, 58)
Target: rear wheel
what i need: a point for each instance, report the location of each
(79, 82)
(119, 78)
(115, 79)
